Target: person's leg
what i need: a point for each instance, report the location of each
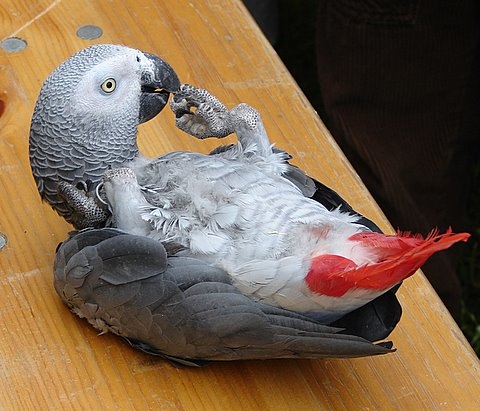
(400, 87)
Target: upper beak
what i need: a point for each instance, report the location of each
(158, 81)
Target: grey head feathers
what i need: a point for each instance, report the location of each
(86, 117)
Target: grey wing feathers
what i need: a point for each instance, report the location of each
(182, 309)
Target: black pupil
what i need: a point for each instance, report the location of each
(109, 84)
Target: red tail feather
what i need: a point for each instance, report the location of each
(398, 258)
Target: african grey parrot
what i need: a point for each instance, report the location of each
(244, 231)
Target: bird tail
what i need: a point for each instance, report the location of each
(398, 257)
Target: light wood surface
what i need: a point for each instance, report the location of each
(50, 359)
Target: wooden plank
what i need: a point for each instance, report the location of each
(53, 360)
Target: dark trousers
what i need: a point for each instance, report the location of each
(400, 82)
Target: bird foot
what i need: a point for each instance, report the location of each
(87, 210)
(200, 114)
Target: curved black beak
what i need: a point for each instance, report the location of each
(158, 81)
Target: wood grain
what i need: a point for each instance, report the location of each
(50, 359)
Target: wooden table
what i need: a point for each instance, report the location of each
(49, 359)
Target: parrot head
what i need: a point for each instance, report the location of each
(87, 113)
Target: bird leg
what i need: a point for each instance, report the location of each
(124, 195)
(87, 210)
(202, 115)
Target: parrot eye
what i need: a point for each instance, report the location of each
(109, 85)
